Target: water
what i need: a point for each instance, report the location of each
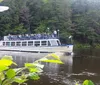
(84, 64)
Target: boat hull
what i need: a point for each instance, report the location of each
(67, 48)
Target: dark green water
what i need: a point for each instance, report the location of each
(84, 64)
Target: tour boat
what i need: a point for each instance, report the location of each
(41, 43)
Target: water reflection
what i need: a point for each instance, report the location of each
(58, 68)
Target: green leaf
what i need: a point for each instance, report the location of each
(38, 65)
(88, 82)
(7, 82)
(0, 81)
(1, 0)
(5, 62)
(45, 59)
(34, 76)
(53, 61)
(7, 57)
(23, 75)
(76, 83)
(33, 69)
(33, 65)
(17, 69)
(2, 76)
(2, 68)
(55, 56)
(29, 65)
(19, 80)
(10, 73)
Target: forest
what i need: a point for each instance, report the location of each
(78, 18)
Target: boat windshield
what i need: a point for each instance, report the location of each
(55, 42)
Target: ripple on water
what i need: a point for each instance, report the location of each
(83, 73)
(67, 79)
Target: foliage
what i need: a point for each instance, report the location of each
(86, 82)
(85, 21)
(79, 45)
(35, 15)
(1, 0)
(9, 75)
(79, 18)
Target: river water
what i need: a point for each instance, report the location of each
(83, 64)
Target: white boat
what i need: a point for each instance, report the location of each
(25, 44)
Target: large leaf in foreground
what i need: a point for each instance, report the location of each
(38, 65)
(10, 73)
(7, 57)
(1, 0)
(51, 61)
(88, 82)
(34, 65)
(2, 68)
(5, 62)
(55, 56)
(34, 76)
(55, 60)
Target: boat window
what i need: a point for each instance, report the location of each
(12, 43)
(37, 43)
(24, 43)
(54, 42)
(7, 43)
(30, 43)
(58, 42)
(18, 43)
(43, 43)
(3, 43)
(49, 43)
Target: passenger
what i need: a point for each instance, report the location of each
(52, 36)
(9, 36)
(55, 33)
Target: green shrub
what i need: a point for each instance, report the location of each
(9, 75)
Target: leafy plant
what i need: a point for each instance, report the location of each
(9, 75)
(1, 0)
(86, 82)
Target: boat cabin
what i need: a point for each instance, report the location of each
(41, 42)
(30, 40)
